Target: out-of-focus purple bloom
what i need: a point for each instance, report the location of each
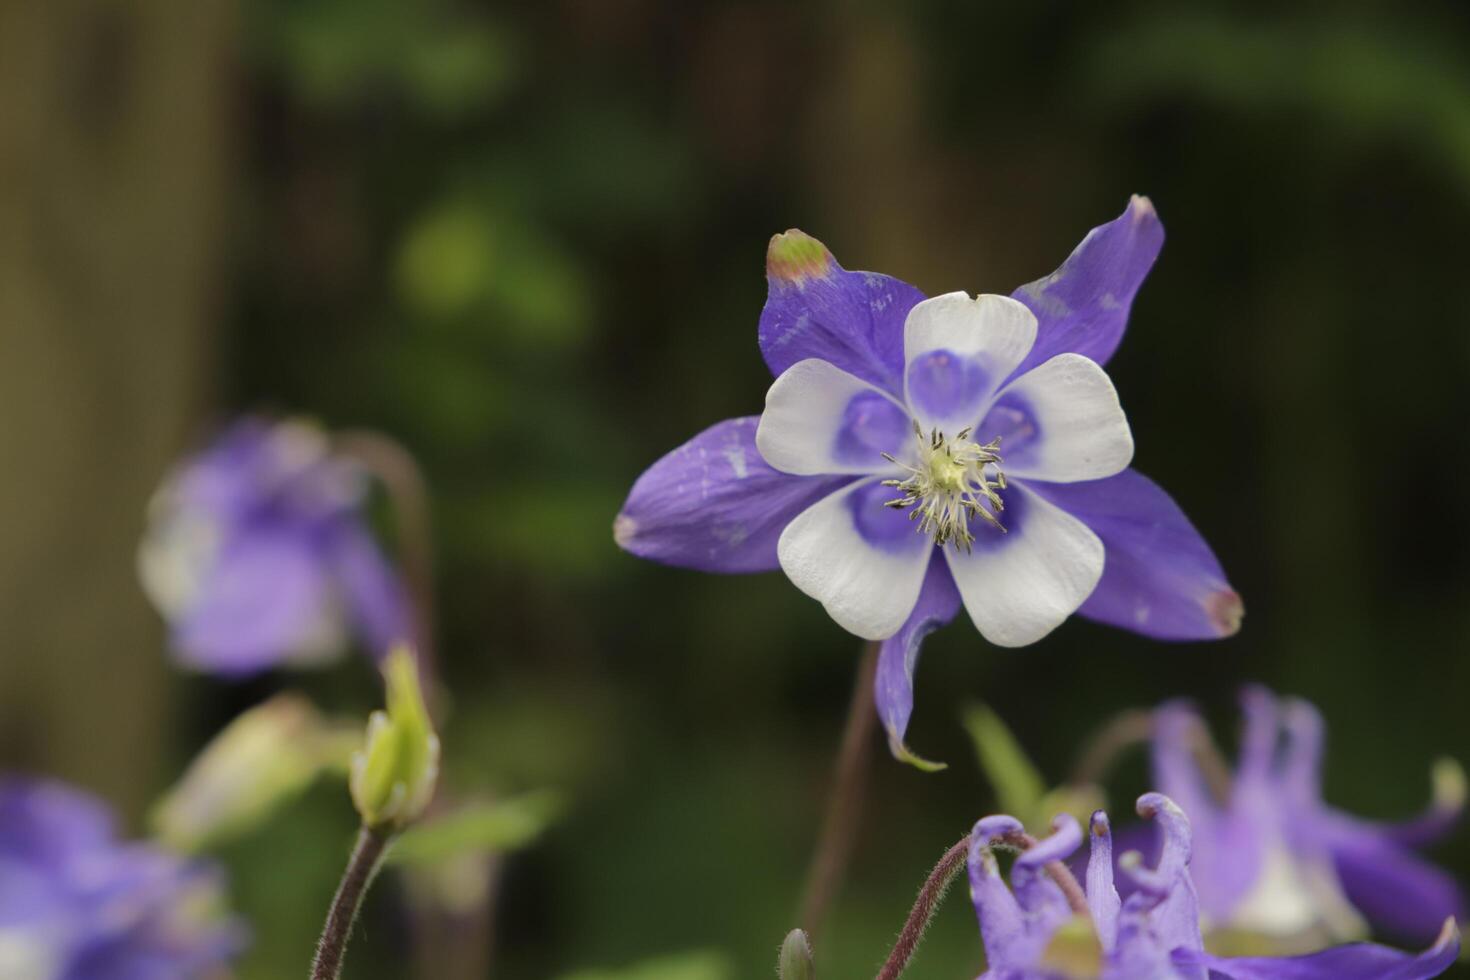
(986, 424)
(1032, 931)
(1272, 858)
(78, 904)
(258, 554)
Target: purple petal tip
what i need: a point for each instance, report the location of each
(794, 257)
(1142, 207)
(1226, 610)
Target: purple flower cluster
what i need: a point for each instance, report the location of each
(1044, 927)
(985, 424)
(258, 554)
(1272, 858)
(78, 904)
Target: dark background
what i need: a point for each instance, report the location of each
(528, 242)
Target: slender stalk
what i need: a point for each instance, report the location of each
(362, 866)
(930, 895)
(844, 804)
(1120, 733)
(398, 472)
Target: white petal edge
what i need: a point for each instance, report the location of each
(1023, 589)
(868, 591)
(1082, 432)
(804, 409)
(997, 330)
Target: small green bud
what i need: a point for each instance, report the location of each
(796, 958)
(394, 774)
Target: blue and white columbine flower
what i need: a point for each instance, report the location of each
(258, 553)
(916, 455)
(1272, 858)
(78, 904)
(1033, 930)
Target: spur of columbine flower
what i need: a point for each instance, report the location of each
(1271, 858)
(258, 553)
(981, 429)
(1044, 926)
(78, 904)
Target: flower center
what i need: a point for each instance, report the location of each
(950, 481)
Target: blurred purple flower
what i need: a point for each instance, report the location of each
(77, 904)
(1272, 858)
(986, 424)
(1032, 931)
(258, 553)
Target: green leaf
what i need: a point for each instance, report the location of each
(1019, 787)
(489, 827)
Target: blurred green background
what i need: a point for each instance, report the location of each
(528, 241)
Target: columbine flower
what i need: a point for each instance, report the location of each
(257, 553)
(1272, 858)
(900, 428)
(77, 904)
(1037, 929)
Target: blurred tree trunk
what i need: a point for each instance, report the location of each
(112, 166)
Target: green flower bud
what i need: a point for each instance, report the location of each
(796, 958)
(394, 774)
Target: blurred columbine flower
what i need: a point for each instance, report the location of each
(1038, 930)
(78, 904)
(986, 425)
(258, 553)
(1271, 858)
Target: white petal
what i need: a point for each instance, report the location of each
(1081, 431)
(868, 586)
(1021, 585)
(807, 409)
(957, 351)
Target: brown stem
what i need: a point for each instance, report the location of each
(367, 856)
(1119, 734)
(930, 895)
(398, 472)
(839, 824)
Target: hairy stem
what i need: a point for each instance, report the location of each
(362, 866)
(839, 824)
(930, 895)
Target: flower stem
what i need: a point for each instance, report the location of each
(1120, 733)
(930, 895)
(362, 866)
(394, 467)
(839, 824)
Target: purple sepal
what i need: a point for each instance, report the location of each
(1355, 961)
(1083, 306)
(939, 602)
(714, 504)
(380, 610)
(1160, 578)
(266, 592)
(76, 903)
(816, 308)
(1394, 888)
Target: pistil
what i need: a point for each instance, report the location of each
(951, 482)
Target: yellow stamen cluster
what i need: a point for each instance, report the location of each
(951, 481)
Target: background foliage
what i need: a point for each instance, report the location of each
(527, 240)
